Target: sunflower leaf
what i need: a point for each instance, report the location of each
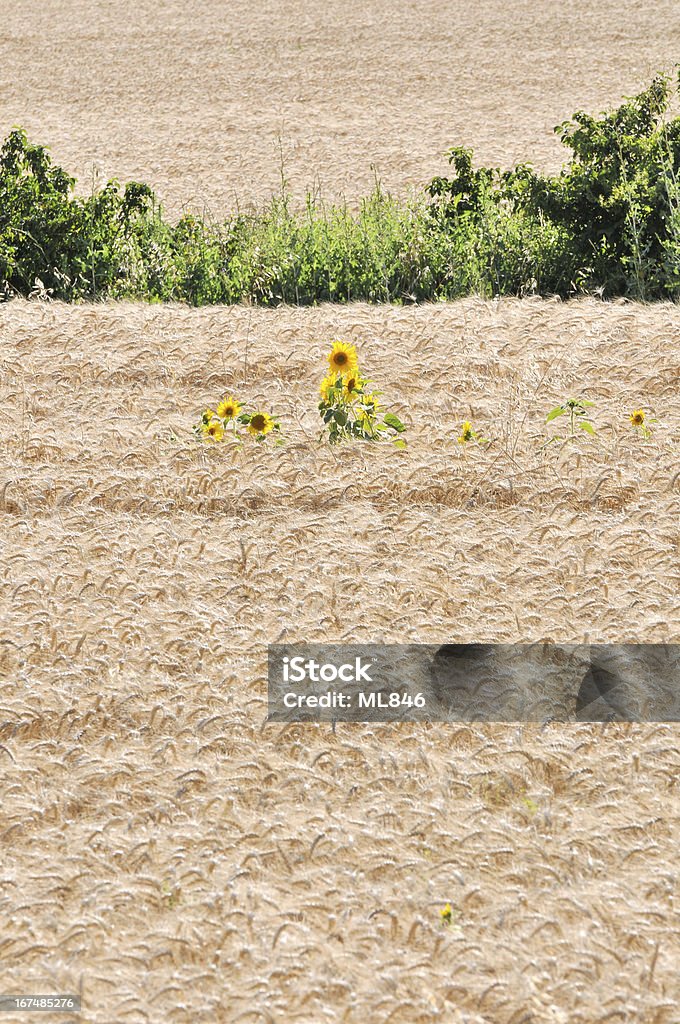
(554, 413)
(393, 421)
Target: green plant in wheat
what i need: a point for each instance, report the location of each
(468, 435)
(446, 915)
(349, 407)
(640, 422)
(232, 422)
(577, 411)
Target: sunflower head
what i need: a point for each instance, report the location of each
(213, 431)
(466, 433)
(260, 424)
(208, 415)
(638, 418)
(343, 358)
(326, 385)
(351, 386)
(446, 913)
(228, 409)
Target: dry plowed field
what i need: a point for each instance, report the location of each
(164, 851)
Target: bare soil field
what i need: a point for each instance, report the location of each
(193, 97)
(175, 858)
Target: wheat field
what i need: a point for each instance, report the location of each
(180, 859)
(168, 854)
(204, 100)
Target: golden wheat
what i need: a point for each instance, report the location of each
(183, 861)
(204, 109)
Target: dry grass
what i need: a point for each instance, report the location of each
(192, 96)
(181, 860)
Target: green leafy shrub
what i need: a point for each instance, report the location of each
(608, 223)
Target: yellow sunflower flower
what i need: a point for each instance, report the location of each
(260, 424)
(228, 409)
(213, 431)
(326, 385)
(351, 385)
(446, 914)
(638, 418)
(208, 415)
(467, 433)
(343, 358)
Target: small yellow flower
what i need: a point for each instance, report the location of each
(446, 914)
(530, 804)
(467, 433)
(326, 385)
(260, 424)
(208, 415)
(638, 418)
(213, 431)
(343, 358)
(228, 409)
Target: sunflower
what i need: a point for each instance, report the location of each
(351, 385)
(228, 409)
(343, 358)
(208, 415)
(326, 385)
(213, 431)
(638, 418)
(446, 914)
(365, 421)
(260, 424)
(467, 433)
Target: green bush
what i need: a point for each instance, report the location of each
(608, 223)
(111, 244)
